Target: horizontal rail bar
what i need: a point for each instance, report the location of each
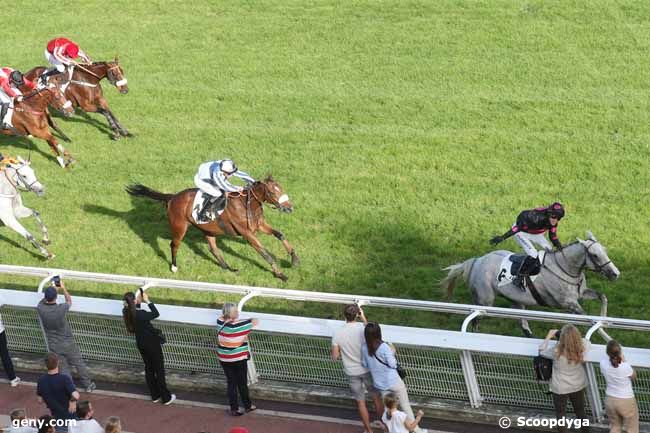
(373, 301)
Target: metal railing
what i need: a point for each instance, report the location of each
(473, 368)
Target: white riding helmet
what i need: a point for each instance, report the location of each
(228, 166)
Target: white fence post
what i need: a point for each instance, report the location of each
(253, 377)
(466, 362)
(593, 393)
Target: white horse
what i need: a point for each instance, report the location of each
(17, 175)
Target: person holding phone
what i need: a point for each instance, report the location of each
(346, 344)
(149, 342)
(59, 334)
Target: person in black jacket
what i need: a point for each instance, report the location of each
(529, 230)
(148, 339)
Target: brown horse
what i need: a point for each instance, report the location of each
(85, 91)
(30, 117)
(243, 216)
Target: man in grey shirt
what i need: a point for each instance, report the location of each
(59, 334)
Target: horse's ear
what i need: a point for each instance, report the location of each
(21, 160)
(591, 236)
(269, 178)
(117, 60)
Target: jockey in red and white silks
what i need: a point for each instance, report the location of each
(10, 81)
(61, 54)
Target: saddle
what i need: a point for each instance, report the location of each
(525, 265)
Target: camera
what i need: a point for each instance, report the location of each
(57, 281)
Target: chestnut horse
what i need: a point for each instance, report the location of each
(85, 91)
(243, 216)
(30, 117)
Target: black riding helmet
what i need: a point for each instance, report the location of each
(16, 77)
(556, 210)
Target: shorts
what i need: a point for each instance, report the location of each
(360, 384)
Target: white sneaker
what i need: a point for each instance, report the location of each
(14, 383)
(156, 400)
(171, 400)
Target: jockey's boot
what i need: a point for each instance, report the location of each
(48, 73)
(3, 112)
(209, 204)
(530, 266)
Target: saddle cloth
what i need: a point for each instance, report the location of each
(197, 205)
(510, 264)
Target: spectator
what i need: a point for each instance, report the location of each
(380, 359)
(346, 344)
(46, 424)
(113, 425)
(85, 422)
(397, 421)
(17, 416)
(57, 391)
(4, 354)
(148, 340)
(59, 334)
(569, 378)
(233, 353)
(620, 403)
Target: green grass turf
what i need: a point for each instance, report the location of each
(406, 134)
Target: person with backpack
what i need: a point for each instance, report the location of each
(569, 378)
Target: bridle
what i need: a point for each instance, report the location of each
(21, 178)
(588, 256)
(110, 75)
(112, 78)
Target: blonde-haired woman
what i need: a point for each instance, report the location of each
(622, 409)
(233, 353)
(113, 425)
(569, 378)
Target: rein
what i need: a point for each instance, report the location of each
(579, 277)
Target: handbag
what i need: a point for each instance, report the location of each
(401, 372)
(543, 368)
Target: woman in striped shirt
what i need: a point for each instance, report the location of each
(233, 353)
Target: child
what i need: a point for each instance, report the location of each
(396, 420)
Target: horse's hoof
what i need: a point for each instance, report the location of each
(71, 162)
(281, 276)
(528, 334)
(295, 261)
(174, 268)
(61, 161)
(46, 241)
(50, 256)
(125, 133)
(115, 136)
(233, 269)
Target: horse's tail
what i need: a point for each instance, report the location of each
(455, 271)
(139, 190)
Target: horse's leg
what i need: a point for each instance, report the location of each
(54, 126)
(216, 252)
(121, 128)
(102, 107)
(178, 233)
(266, 228)
(58, 149)
(13, 224)
(524, 323)
(21, 211)
(594, 294)
(250, 237)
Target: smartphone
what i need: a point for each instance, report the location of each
(57, 281)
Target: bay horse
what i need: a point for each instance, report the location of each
(30, 117)
(16, 174)
(243, 216)
(85, 91)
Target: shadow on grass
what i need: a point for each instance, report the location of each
(26, 247)
(27, 144)
(148, 220)
(81, 116)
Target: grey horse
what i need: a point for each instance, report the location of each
(561, 282)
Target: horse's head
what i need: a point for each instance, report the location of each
(596, 258)
(115, 76)
(24, 176)
(57, 97)
(274, 195)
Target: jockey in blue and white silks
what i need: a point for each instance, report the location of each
(212, 179)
